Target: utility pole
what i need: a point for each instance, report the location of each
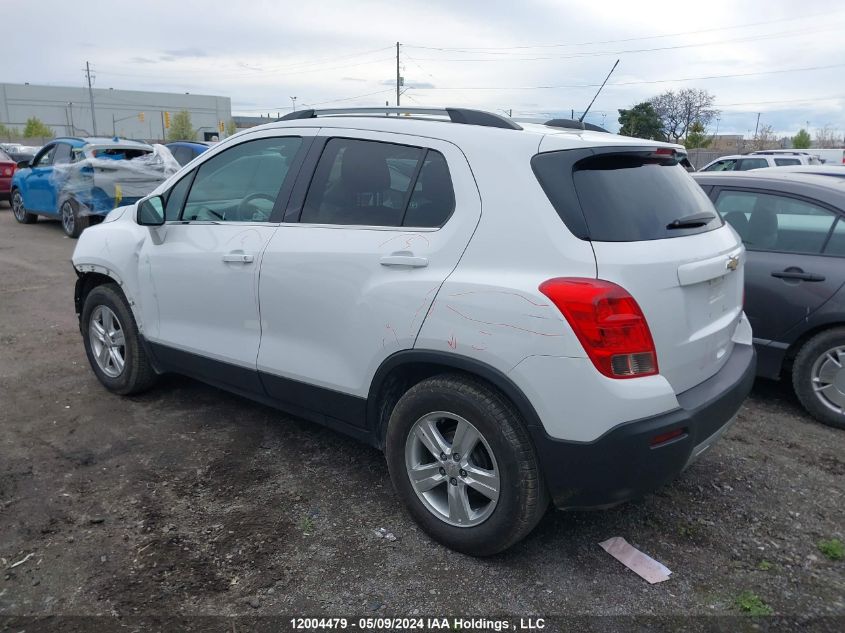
(397, 74)
(757, 126)
(91, 97)
(293, 101)
(70, 109)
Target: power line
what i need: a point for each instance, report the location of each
(481, 49)
(754, 38)
(642, 82)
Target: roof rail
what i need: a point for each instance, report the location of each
(456, 115)
(572, 124)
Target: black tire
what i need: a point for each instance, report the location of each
(73, 222)
(137, 374)
(522, 499)
(18, 210)
(810, 356)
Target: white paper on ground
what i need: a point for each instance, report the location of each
(644, 566)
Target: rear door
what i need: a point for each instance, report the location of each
(369, 238)
(655, 233)
(792, 263)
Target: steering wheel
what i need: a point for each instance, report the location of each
(243, 207)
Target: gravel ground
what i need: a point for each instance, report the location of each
(189, 501)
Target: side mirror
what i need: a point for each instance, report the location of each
(23, 164)
(151, 212)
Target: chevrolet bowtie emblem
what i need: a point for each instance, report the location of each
(733, 263)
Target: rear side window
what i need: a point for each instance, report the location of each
(836, 243)
(370, 183)
(752, 163)
(721, 165)
(626, 197)
(780, 162)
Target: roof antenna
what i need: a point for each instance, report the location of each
(599, 90)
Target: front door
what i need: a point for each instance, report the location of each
(38, 184)
(348, 279)
(202, 300)
(790, 271)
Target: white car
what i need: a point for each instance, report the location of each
(759, 160)
(513, 313)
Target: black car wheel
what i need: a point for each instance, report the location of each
(18, 210)
(461, 460)
(73, 221)
(818, 376)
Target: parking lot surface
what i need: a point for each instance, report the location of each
(187, 500)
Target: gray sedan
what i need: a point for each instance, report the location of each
(793, 227)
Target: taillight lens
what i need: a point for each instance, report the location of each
(608, 322)
(8, 170)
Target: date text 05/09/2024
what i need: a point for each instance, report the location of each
(469, 625)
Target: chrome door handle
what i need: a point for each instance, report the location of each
(404, 260)
(238, 257)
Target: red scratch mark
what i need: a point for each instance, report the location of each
(484, 333)
(480, 349)
(515, 327)
(453, 342)
(501, 292)
(422, 305)
(408, 237)
(387, 326)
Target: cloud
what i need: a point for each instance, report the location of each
(141, 60)
(186, 52)
(352, 79)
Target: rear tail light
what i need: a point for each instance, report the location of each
(7, 170)
(608, 322)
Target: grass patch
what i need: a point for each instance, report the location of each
(306, 525)
(764, 565)
(833, 549)
(751, 604)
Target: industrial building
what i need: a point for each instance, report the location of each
(128, 113)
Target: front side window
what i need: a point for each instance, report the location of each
(772, 222)
(62, 154)
(241, 184)
(176, 198)
(721, 165)
(45, 157)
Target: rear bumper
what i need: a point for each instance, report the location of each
(622, 465)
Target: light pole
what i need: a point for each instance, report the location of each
(293, 101)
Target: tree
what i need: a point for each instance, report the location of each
(801, 140)
(764, 139)
(641, 121)
(827, 137)
(697, 136)
(679, 110)
(231, 128)
(180, 127)
(35, 127)
(9, 132)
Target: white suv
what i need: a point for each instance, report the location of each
(761, 160)
(512, 312)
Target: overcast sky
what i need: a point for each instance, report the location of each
(536, 57)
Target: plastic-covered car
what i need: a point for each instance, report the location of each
(80, 180)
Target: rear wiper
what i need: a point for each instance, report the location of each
(691, 221)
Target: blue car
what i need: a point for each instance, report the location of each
(79, 180)
(186, 151)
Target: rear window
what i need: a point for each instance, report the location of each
(626, 197)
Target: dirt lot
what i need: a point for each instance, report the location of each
(187, 500)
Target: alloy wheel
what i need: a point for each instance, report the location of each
(452, 469)
(68, 217)
(107, 341)
(17, 207)
(828, 378)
